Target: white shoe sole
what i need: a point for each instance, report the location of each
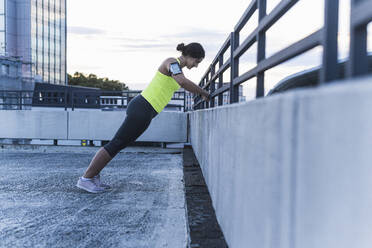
(91, 191)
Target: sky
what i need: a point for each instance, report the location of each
(128, 40)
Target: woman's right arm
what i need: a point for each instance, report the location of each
(183, 81)
(190, 86)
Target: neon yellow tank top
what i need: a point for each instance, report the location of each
(160, 90)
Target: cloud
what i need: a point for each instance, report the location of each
(188, 34)
(131, 39)
(78, 30)
(211, 40)
(144, 46)
(197, 33)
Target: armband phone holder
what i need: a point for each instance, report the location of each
(175, 68)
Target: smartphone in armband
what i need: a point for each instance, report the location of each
(174, 68)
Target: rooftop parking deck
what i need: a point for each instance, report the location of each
(41, 207)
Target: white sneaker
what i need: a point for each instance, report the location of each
(89, 186)
(97, 181)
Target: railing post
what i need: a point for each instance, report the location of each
(329, 70)
(184, 101)
(196, 98)
(199, 97)
(127, 99)
(212, 84)
(358, 63)
(220, 80)
(234, 67)
(72, 100)
(261, 44)
(20, 100)
(207, 89)
(65, 100)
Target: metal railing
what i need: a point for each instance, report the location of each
(24, 99)
(360, 16)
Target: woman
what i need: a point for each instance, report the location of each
(143, 108)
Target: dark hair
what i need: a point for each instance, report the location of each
(194, 50)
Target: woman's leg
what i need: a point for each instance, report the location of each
(133, 126)
(139, 116)
(99, 161)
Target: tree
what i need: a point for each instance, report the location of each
(93, 81)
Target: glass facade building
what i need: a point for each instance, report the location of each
(35, 31)
(2, 26)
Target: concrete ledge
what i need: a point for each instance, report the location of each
(168, 126)
(165, 127)
(333, 166)
(94, 125)
(292, 170)
(25, 124)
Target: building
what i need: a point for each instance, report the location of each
(35, 32)
(11, 80)
(10, 73)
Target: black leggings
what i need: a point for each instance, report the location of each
(139, 115)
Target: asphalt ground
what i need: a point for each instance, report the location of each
(40, 206)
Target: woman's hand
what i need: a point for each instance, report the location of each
(206, 98)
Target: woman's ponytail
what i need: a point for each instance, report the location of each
(194, 50)
(181, 47)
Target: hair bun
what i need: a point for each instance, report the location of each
(180, 47)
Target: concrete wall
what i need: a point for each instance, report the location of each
(91, 125)
(165, 127)
(26, 124)
(292, 170)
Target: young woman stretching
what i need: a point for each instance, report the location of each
(143, 108)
